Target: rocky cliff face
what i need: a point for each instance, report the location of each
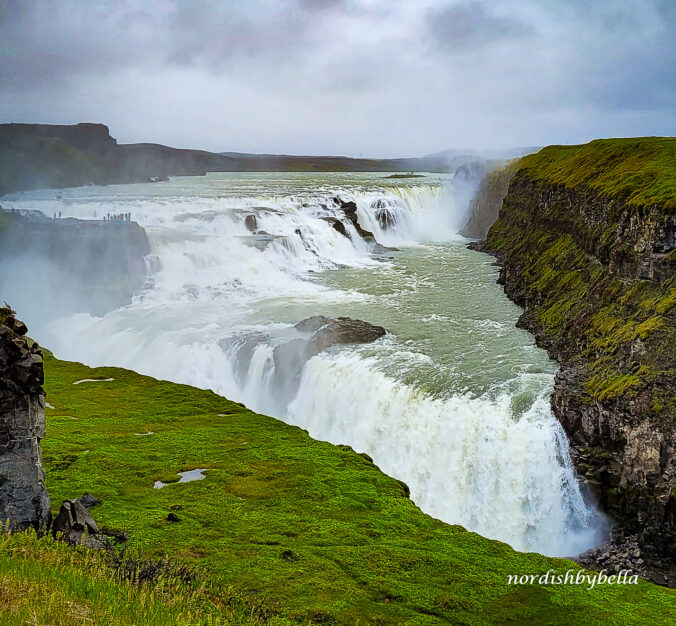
(594, 272)
(487, 201)
(76, 265)
(24, 501)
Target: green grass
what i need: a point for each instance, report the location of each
(292, 528)
(638, 171)
(47, 582)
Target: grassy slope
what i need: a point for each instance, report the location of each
(313, 531)
(641, 171)
(47, 582)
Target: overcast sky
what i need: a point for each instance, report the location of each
(371, 77)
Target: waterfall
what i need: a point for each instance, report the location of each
(238, 259)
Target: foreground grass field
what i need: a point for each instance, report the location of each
(47, 582)
(282, 528)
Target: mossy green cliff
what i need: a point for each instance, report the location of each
(585, 237)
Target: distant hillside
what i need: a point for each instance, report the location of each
(293, 163)
(44, 156)
(445, 162)
(35, 156)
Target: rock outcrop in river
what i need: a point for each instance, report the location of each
(316, 334)
(585, 239)
(24, 501)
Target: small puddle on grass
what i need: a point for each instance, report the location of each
(186, 477)
(93, 380)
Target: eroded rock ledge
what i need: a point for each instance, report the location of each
(76, 265)
(595, 276)
(24, 501)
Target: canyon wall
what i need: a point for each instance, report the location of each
(487, 201)
(585, 239)
(24, 501)
(74, 265)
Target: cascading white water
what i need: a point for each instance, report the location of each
(454, 401)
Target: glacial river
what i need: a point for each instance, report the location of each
(454, 400)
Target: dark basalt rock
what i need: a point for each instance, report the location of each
(87, 500)
(337, 225)
(76, 526)
(316, 334)
(349, 207)
(625, 552)
(24, 501)
(251, 223)
(329, 332)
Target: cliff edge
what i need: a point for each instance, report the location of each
(24, 501)
(75, 265)
(585, 239)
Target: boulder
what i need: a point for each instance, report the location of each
(251, 223)
(319, 333)
(77, 527)
(329, 332)
(87, 500)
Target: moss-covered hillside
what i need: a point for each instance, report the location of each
(585, 236)
(283, 529)
(639, 171)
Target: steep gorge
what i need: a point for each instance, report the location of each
(585, 239)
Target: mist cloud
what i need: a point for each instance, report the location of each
(383, 78)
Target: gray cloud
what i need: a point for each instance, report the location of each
(470, 25)
(381, 77)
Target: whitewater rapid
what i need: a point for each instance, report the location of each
(454, 401)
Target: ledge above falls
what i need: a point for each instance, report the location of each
(78, 265)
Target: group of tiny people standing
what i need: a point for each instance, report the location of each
(117, 217)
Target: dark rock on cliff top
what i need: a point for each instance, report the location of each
(595, 274)
(76, 526)
(24, 501)
(87, 500)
